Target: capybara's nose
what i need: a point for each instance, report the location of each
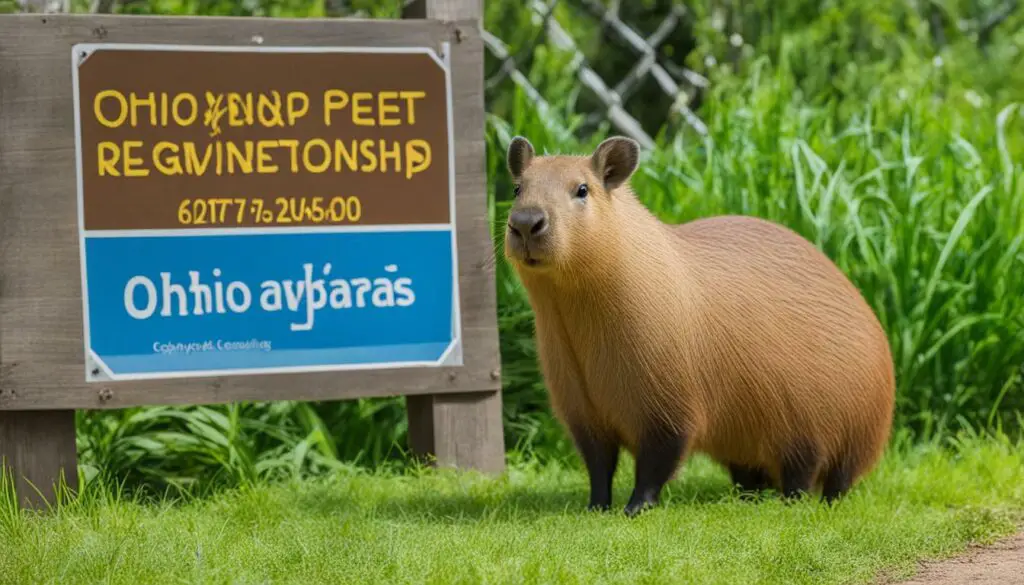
(527, 223)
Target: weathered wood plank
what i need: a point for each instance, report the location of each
(35, 385)
(40, 284)
(38, 449)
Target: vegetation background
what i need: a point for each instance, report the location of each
(885, 131)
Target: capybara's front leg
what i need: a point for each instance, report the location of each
(658, 454)
(800, 465)
(600, 453)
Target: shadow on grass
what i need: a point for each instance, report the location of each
(504, 502)
(427, 496)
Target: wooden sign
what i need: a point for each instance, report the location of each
(253, 210)
(203, 210)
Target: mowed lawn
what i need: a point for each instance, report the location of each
(527, 527)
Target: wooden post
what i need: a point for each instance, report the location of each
(460, 430)
(448, 10)
(37, 447)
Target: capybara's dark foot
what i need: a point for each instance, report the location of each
(639, 504)
(750, 480)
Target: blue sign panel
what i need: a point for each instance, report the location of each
(223, 303)
(294, 229)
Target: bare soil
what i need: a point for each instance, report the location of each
(999, 564)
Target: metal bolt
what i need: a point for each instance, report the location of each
(106, 394)
(100, 32)
(495, 374)
(452, 376)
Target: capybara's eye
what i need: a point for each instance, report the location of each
(581, 191)
(516, 190)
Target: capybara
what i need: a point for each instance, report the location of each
(731, 336)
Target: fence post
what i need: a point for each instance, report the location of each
(460, 430)
(37, 448)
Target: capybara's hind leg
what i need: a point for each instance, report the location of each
(799, 466)
(600, 454)
(838, 479)
(749, 479)
(657, 457)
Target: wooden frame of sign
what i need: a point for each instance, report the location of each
(454, 410)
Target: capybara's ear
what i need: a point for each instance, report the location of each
(615, 159)
(520, 153)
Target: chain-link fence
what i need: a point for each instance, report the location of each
(679, 84)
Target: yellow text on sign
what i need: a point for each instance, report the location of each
(385, 108)
(133, 158)
(113, 108)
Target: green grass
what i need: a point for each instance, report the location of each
(525, 527)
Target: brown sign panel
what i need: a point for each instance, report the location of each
(262, 138)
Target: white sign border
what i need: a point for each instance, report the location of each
(98, 371)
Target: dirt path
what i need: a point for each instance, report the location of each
(999, 564)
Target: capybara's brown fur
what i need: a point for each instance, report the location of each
(731, 335)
